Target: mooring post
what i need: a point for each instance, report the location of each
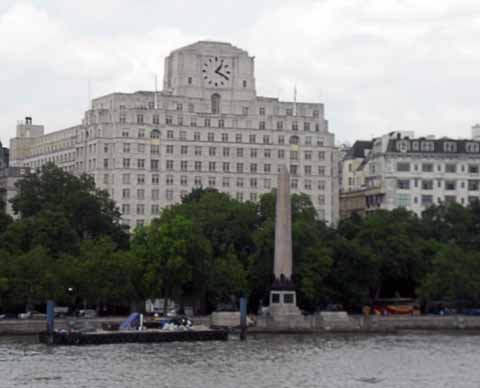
(243, 318)
(50, 320)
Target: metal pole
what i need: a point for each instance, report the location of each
(50, 320)
(243, 318)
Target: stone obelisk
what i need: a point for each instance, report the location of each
(282, 264)
(283, 301)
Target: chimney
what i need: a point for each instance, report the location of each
(28, 120)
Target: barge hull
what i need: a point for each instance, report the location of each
(132, 337)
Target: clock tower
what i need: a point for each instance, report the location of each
(206, 68)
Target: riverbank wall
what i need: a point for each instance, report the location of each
(318, 323)
(338, 322)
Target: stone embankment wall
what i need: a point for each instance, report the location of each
(341, 322)
(36, 326)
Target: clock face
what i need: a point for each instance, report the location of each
(216, 72)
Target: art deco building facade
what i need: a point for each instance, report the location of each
(206, 128)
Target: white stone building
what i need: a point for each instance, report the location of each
(404, 171)
(207, 127)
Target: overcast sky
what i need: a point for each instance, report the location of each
(378, 65)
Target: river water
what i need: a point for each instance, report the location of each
(391, 361)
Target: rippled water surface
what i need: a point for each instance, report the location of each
(261, 361)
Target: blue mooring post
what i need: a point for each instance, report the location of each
(50, 320)
(243, 318)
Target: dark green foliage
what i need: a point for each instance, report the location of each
(212, 248)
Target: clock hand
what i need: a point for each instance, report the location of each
(218, 68)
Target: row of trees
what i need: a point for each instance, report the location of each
(210, 247)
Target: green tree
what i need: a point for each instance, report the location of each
(53, 192)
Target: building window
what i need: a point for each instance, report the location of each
(306, 126)
(289, 111)
(141, 133)
(125, 209)
(198, 166)
(169, 134)
(450, 185)
(212, 151)
(126, 147)
(427, 200)
(226, 181)
(211, 166)
(169, 195)
(473, 185)
(279, 124)
(226, 166)
(140, 163)
(184, 180)
(169, 149)
(221, 123)
(252, 139)
(267, 153)
(403, 184)
(238, 138)
(197, 181)
(473, 168)
(427, 167)
(239, 182)
(261, 125)
(155, 194)
(211, 181)
(307, 170)
(281, 154)
(239, 167)
(253, 167)
(294, 140)
(154, 164)
(155, 179)
(126, 179)
(126, 163)
(207, 123)
(402, 200)
(245, 110)
(267, 168)
(140, 179)
(427, 184)
(215, 99)
(198, 151)
(193, 122)
(211, 137)
(450, 146)
(403, 167)
(239, 152)
(183, 165)
(125, 193)
(140, 194)
(196, 136)
(244, 83)
(293, 155)
(451, 168)
(184, 150)
(156, 119)
(123, 119)
(139, 119)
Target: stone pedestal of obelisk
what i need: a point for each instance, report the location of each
(283, 301)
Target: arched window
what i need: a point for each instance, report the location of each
(294, 140)
(215, 103)
(155, 134)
